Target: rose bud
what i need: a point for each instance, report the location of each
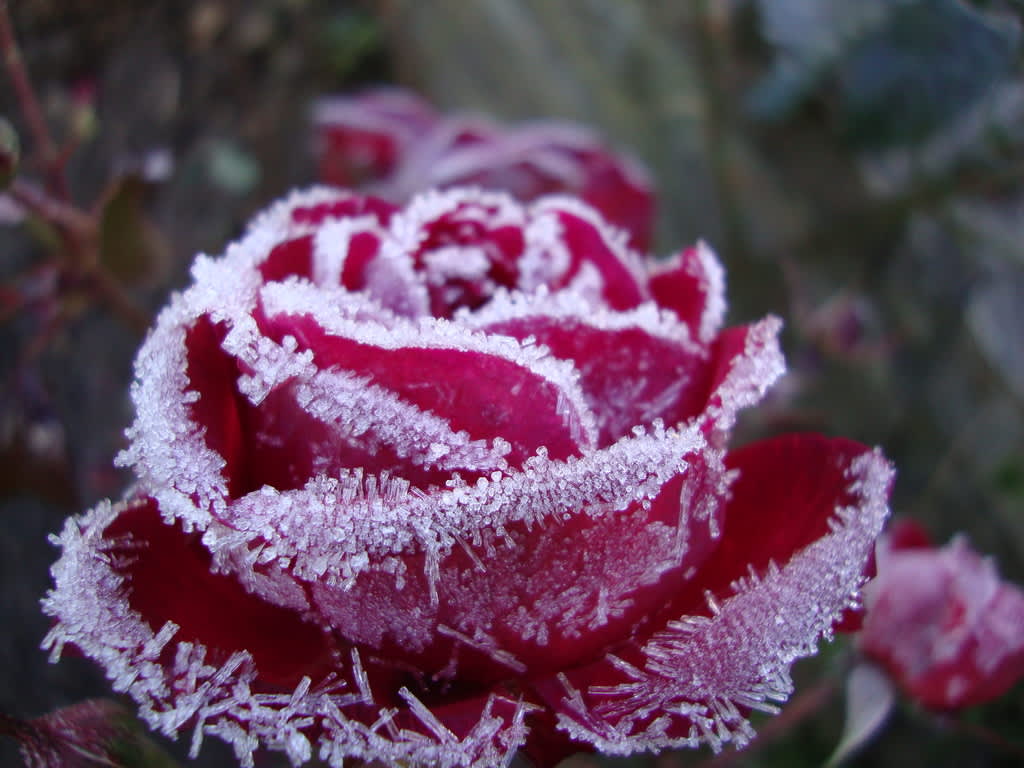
(941, 621)
(396, 144)
(430, 485)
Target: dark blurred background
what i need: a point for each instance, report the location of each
(857, 166)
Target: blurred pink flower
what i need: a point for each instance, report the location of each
(433, 484)
(948, 630)
(394, 145)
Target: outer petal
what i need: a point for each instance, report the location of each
(943, 624)
(114, 606)
(541, 596)
(720, 655)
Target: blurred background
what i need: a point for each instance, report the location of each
(858, 166)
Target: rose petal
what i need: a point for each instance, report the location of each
(634, 366)
(365, 137)
(692, 284)
(212, 374)
(536, 598)
(465, 244)
(167, 578)
(220, 688)
(489, 387)
(598, 260)
(691, 682)
(944, 625)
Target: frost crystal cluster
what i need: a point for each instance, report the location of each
(430, 485)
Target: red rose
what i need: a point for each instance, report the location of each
(396, 144)
(436, 483)
(950, 633)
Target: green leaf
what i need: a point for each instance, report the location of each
(132, 248)
(10, 153)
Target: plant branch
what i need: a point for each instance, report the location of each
(28, 102)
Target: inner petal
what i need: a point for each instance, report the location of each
(630, 373)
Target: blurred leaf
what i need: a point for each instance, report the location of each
(10, 153)
(995, 316)
(1009, 477)
(927, 63)
(90, 734)
(132, 248)
(869, 699)
(808, 36)
(346, 38)
(903, 67)
(232, 169)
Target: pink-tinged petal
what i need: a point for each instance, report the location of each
(302, 211)
(943, 624)
(529, 162)
(692, 284)
(395, 144)
(694, 681)
(90, 733)
(620, 190)
(243, 697)
(634, 366)
(364, 138)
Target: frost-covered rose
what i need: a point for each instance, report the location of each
(430, 485)
(942, 622)
(398, 146)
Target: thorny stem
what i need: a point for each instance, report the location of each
(49, 156)
(66, 216)
(78, 229)
(80, 232)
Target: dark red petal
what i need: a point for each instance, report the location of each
(484, 394)
(724, 652)
(745, 362)
(362, 250)
(787, 490)
(469, 225)
(692, 284)
(213, 375)
(168, 578)
(626, 202)
(540, 598)
(364, 138)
